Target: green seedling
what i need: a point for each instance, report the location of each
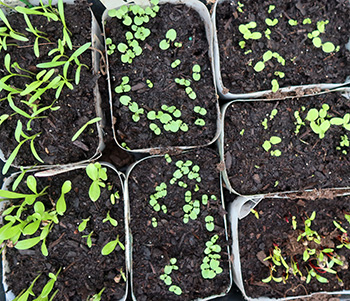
(327, 47)
(200, 110)
(256, 213)
(122, 14)
(267, 33)
(299, 122)
(149, 84)
(306, 21)
(82, 226)
(271, 277)
(142, 33)
(247, 34)
(96, 297)
(196, 72)
(112, 221)
(268, 55)
(97, 174)
(161, 192)
(209, 223)
(344, 122)
(170, 36)
(114, 196)
(111, 46)
(190, 93)
(168, 269)
(270, 22)
(124, 87)
(242, 44)
(175, 289)
(318, 122)
(81, 130)
(88, 239)
(271, 8)
(18, 135)
(61, 206)
(239, 7)
(275, 85)
(175, 63)
(268, 144)
(242, 132)
(308, 233)
(154, 222)
(66, 38)
(277, 258)
(292, 22)
(344, 142)
(110, 247)
(210, 266)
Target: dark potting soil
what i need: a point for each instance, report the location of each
(154, 65)
(53, 145)
(85, 271)
(304, 63)
(154, 246)
(274, 226)
(306, 161)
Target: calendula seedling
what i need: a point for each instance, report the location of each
(88, 239)
(112, 221)
(82, 226)
(111, 46)
(247, 34)
(196, 75)
(110, 247)
(98, 175)
(170, 36)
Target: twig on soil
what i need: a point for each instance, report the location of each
(294, 288)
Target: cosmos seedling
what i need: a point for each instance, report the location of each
(267, 145)
(210, 266)
(170, 36)
(98, 175)
(247, 34)
(111, 46)
(110, 247)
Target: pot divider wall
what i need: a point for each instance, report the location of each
(149, 287)
(241, 207)
(205, 17)
(250, 128)
(228, 94)
(56, 172)
(95, 59)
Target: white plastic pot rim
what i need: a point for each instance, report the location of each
(238, 210)
(345, 92)
(127, 197)
(95, 59)
(9, 296)
(230, 96)
(205, 16)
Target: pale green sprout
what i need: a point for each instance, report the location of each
(61, 206)
(271, 8)
(209, 223)
(82, 226)
(247, 34)
(96, 297)
(239, 7)
(292, 22)
(267, 33)
(270, 22)
(307, 21)
(81, 130)
(211, 264)
(149, 83)
(124, 86)
(121, 13)
(242, 44)
(199, 122)
(88, 239)
(111, 220)
(154, 222)
(111, 46)
(110, 247)
(196, 69)
(256, 213)
(175, 289)
(170, 36)
(242, 132)
(275, 85)
(200, 110)
(155, 129)
(175, 63)
(97, 174)
(268, 144)
(318, 123)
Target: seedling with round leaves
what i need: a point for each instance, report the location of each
(327, 47)
(124, 87)
(200, 110)
(82, 226)
(267, 145)
(196, 72)
(122, 14)
(247, 34)
(168, 269)
(318, 122)
(134, 108)
(98, 175)
(170, 36)
(270, 22)
(344, 143)
(175, 63)
(111, 46)
(211, 262)
(142, 33)
(209, 223)
(161, 192)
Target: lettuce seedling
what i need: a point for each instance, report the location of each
(97, 174)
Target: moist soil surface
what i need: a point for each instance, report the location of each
(304, 63)
(306, 161)
(85, 271)
(154, 65)
(154, 246)
(53, 145)
(274, 226)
